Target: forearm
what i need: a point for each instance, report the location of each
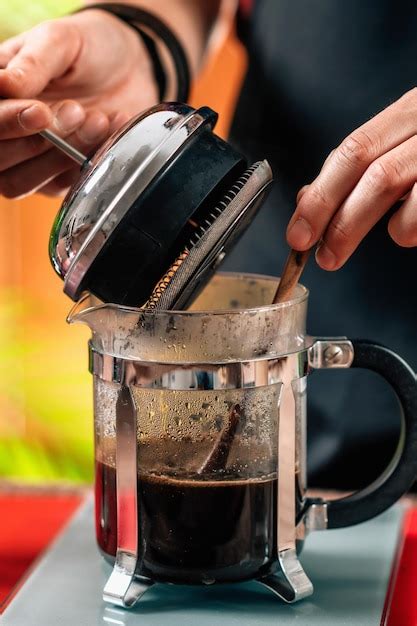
(190, 20)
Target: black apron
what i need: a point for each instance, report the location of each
(317, 70)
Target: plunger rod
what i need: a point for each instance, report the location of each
(65, 147)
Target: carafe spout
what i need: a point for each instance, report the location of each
(85, 311)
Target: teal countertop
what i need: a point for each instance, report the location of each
(350, 570)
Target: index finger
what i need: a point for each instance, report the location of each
(344, 168)
(8, 49)
(47, 53)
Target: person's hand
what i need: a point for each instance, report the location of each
(361, 179)
(82, 76)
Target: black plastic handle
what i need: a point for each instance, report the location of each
(402, 470)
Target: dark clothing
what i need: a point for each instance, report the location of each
(318, 69)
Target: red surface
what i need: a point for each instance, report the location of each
(402, 606)
(28, 523)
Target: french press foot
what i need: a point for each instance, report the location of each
(290, 583)
(124, 589)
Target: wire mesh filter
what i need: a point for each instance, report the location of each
(209, 243)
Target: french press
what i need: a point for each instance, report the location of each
(199, 382)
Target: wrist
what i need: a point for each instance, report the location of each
(132, 54)
(165, 51)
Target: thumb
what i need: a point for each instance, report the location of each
(47, 53)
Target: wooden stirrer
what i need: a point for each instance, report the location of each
(292, 271)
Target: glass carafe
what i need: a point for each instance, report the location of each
(200, 446)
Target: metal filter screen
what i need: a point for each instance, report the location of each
(210, 242)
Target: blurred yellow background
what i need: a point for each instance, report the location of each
(45, 389)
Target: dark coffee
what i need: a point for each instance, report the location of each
(195, 529)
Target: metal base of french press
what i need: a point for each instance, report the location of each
(124, 588)
(290, 583)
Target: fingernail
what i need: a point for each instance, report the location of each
(33, 118)
(69, 116)
(325, 257)
(300, 234)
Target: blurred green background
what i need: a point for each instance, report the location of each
(19, 15)
(46, 415)
(45, 388)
